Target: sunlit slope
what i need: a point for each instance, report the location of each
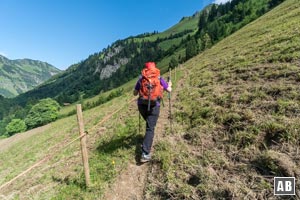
(237, 118)
(235, 127)
(59, 172)
(48, 158)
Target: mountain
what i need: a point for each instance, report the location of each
(123, 59)
(235, 114)
(21, 75)
(113, 66)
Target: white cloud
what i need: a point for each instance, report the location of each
(3, 54)
(221, 1)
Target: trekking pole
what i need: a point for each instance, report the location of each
(139, 123)
(169, 97)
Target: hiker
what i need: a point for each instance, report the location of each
(150, 87)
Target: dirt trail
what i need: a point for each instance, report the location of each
(131, 183)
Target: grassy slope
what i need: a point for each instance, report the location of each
(187, 23)
(237, 115)
(62, 169)
(238, 97)
(35, 147)
(111, 145)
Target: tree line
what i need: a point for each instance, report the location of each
(44, 112)
(219, 21)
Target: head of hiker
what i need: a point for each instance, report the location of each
(150, 86)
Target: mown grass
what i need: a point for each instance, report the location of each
(110, 154)
(61, 177)
(237, 116)
(111, 145)
(109, 158)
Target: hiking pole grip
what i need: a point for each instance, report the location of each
(169, 93)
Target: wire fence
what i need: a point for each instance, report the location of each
(54, 152)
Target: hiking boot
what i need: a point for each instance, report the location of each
(145, 157)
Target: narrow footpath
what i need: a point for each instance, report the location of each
(131, 183)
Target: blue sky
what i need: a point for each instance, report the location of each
(64, 32)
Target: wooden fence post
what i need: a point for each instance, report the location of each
(84, 152)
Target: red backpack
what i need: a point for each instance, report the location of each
(151, 89)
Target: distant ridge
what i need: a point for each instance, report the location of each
(20, 75)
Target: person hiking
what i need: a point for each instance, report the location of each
(150, 87)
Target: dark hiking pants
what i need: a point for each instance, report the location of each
(151, 118)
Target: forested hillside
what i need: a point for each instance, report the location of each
(19, 76)
(123, 60)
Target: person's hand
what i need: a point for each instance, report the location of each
(170, 84)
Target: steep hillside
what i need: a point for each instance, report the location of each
(237, 116)
(19, 76)
(112, 67)
(123, 59)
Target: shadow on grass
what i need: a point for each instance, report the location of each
(122, 142)
(78, 182)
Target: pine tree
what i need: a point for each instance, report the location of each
(202, 21)
(191, 49)
(173, 63)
